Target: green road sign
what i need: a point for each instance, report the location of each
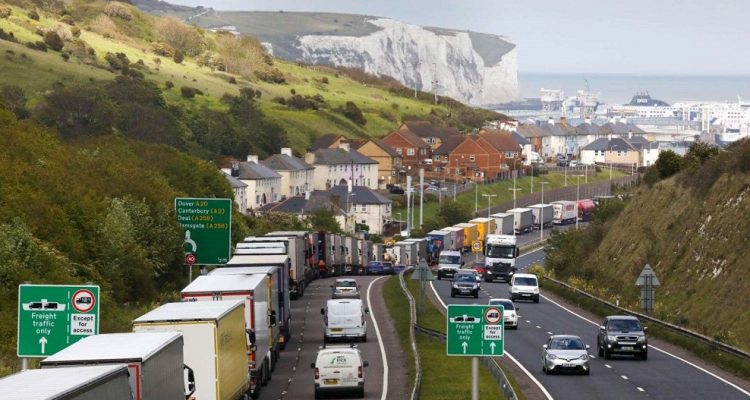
(474, 330)
(206, 224)
(52, 317)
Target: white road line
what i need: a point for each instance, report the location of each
(745, 392)
(624, 377)
(533, 379)
(384, 396)
(608, 366)
(528, 322)
(538, 327)
(640, 389)
(591, 356)
(549, 333)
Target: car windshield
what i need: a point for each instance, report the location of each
(444, 259)
(498, 251)
(346, 284)
(523, 281)
(466, 278)
(507, 304)
(624, 325)
(566, 344)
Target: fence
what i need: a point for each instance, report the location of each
(674, 328)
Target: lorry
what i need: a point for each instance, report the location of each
(154, 361)
(215, 343)
(278, 289)
(457, 238)
(542, 215)
(323, 253)
(409, 252)
(352, 252)
(523, 220)
(258, 316)
(94, 382)
(485, 226)
(437, 241)
(367, 254)
(500, 252)
(503, 223)
(449, 262)
(586, 209)
(295, 248)
(303, 243)
(564, 212)
(421, 250)
(378, 252)
(339, 257)
(471, 233)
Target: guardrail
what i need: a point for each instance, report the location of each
(417, 389)
(489, 362)
(677, 329)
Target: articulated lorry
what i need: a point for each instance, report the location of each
(259, 317)
(471, 233)
(485, 226)
(294, 246)
(564, 212)
(542, 215)
(503, 223)
(523, 220)
(95, 382)
(215, 344)
(154, 360)
(457, 238)
(500, 254)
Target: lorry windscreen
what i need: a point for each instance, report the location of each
(500, 251)
(444, 259)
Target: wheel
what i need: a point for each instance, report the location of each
(361, 393)
(440, 276)
(476, 294)
(318, 395)
(587, 372)
(644, 356)
(364, 338)
(536, 300)
(546, 370)
(487, 280)
(601, 351)
(607, 354)
(326, 339)
(453, 293)
(264, 374)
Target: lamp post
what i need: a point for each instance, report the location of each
(476, 198)
(348, 212)
(399, 222)
(532, 179)
(489, 202)
(611, 150)
(578, 195)
(541, 225)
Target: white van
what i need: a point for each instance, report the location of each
(339, 369)
(524, 286)
(344, 319)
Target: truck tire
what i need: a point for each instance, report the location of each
(607, 354)
(476, 294)
(361, 393)
(364, 338)
(264, 374)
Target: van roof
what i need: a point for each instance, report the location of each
(191, 311)
(124, 347)
(55, 383)
(340, 301)
(225, 283)
(525, 276)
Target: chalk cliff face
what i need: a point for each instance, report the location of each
(474, 68)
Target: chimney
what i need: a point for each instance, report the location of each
(253, 158)
(235, 169)
(287, 151)
(344, 145)
(588, 120)
(551, 121)
(630, 134)
(310, 158)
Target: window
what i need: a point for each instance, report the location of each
(398, 150)
(472, 158)
(257, 199)
(410, 152)
(363, 207)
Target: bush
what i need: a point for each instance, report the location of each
(53, 41)
(68, 20)
(168, 85)
(353, 113)
(33, 15)
(179, 35)
(9, 36)
(178, 57)
(5, 12)
(232, 80)
(75, 31)
(162, 49)
(39, 45)
(324, 80)
(118, 10)
(118, 61)
(190, 92)
(271, 76)
(301, 103)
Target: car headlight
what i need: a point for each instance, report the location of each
(641, 339)
(513, 289)
(455, 286)
(612, 338)
(551, 356)
(536, 290)
(584, 357)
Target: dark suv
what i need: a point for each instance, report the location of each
(622, 334)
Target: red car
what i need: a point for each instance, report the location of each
(479, 268)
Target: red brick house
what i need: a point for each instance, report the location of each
(505, 144)
(430, 134)
(413, 150)
(475, 159)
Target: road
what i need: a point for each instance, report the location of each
(293, 378)
(663, 376)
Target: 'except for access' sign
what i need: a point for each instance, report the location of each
(206, 225)
(52, 317)
(475, 330)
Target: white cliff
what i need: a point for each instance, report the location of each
(417, 55)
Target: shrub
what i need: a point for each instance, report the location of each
(118, 10)
(33, 15)
(389, 116)
(179, 35)
(271, 76)
(178, 57)
(324, 80)
(247, 93)
(68, 20)
(118, 61)
(53, 41)
(5, 12)
(9, 36)
(39, 45)
(65, 55)
(301, 103)
(190, 92)
(232, 80)
(168, 85)
(75, 31)
(353, 113)
(162, 49)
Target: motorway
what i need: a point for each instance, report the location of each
(662, 376)
(293, 378)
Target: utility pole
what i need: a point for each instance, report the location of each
(421, 197)
(476, 198)
(408, 203)
(543, 183)
(578, 196)
(489, 202)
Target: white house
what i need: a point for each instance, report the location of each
(297, 176)
(263, 183)
(239, 189)
(649, 151)
(365, 206)
(342, 165)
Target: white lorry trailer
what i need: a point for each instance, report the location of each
(523, 220)
(503, 223)
(564, 212)
(500, 254)
(154, 360)
(75, 383)
(542, 214)
(215, 344)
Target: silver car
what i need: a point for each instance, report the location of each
(565, 353)
(345, 289)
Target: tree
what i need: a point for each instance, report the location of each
(179, 35)
(15, 100)
(53, 41)
(324, 220)
(353, 113)
(275, 221)
(77, 111)
(668, 164)
(454, 213)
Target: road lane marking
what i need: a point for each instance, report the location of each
(624, 377)
(640, 389)
(608, 366)
(518, 363)
(538, 327)
(549, 333)
(745, 392)
(384, 395)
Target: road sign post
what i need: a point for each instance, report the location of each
(52, 317)
(647, 281)
(206, 225)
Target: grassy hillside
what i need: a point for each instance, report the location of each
(692, 229)
(384, 104)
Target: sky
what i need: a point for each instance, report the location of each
(648, 37)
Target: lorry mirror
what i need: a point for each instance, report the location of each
(251, 336)
(322, 311)
(272, 318)
(365, 364)
(645, 328)
(191, 381)
(602, 328)
(312, 365)
(517, 252)
(367, 310)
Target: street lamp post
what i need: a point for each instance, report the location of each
(578, 195)
(611, 150)
(489, 202)
(348, 212)
(476, 198)
(541, 225)
(532, 179)
(399, 222)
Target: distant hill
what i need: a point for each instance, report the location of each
(472, 67)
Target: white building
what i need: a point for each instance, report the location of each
(239, 189)
(263, 183)
(365, 206)
(341, 165)
(297, 176)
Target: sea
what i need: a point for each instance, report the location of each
(619, 89)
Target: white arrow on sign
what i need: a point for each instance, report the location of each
(492, 347)
(43, 342)
(464, 345)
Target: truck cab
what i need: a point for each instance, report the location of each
(500, 254)
(449, 262)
